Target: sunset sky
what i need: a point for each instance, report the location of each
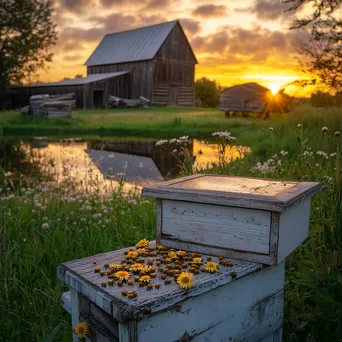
(235, 41)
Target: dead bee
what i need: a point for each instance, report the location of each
(120, 283)
(147, 310)
(97, 270)
(157, 286)
(132, 294)
(149, 287)
(104, 284)
(111, 282)
(209, 258)
(130, 283)
(153, 275)
(163, 276)
(102, 273)
(124, 293)
(233, 274)
(168, 281)
(106, 265)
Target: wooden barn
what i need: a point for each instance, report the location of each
(246, 98)
(159, 59)
(91, 91)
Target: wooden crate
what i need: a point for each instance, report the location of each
(241, 302)
(251, 219)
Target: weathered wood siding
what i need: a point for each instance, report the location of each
(168, 79)
(21, 96)
(118, 86)
(140, 76)
(216, 225)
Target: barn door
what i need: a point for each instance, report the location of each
(173, 95)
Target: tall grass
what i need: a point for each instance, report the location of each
(42, 225)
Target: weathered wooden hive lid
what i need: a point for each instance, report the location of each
(255, 193)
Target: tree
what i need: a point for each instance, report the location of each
(323, 48)
(207, 92)
(27, 33)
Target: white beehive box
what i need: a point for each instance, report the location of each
(252, 219)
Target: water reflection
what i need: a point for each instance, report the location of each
(101, 165)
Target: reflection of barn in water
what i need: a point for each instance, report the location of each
(137, 170)
(163, 158)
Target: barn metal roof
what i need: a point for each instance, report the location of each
(131, 46)
(252, 86)
(80, 80)
(138, 170)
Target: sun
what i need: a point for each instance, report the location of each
(274, 87)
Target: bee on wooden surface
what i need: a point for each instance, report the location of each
(102, 273)
(149, 287)
(111, 282)
(130, 283)
(106, 265)
(147, 310)
(124, 293)
(97, 270)
(120, 283)
(157, 286)
(168, 281)
(104, 284)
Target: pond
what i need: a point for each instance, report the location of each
(105, 165)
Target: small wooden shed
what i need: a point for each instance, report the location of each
(91, 91)
(246, 98)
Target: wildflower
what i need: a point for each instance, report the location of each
(132, 201)
(81, 329)
(45, 225)
(224, 135)
(172, 255)
(132, 254)
(145, 279)
(181, 253)
(197, 260)
(122, 275)
(270, 129)
(337, 133)
(116, 267)
(136, 267)
(161, 142)
(325, 129)
(299, 125)
(211, 266)
(185, 280)
(283, 153)
(142, 243)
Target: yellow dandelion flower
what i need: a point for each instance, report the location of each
(145, 279)
(116, 267)
(141, 251)
(211, 266)
(181, 253)
(81, 329)
(172, 255)
(122, 275)
(161, 248)
(136, 267)
(185, 280)
(197, 261)
(145, 269)
(132, 254)
(142, 243)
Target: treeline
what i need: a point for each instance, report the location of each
(322, 99)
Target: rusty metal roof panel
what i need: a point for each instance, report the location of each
(131, 46)
(80, 80)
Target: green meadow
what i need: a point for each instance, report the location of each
(43, 225)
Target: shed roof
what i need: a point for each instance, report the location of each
(81, 80)
(131, 46)
(252, 86)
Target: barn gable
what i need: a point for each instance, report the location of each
(131, 46)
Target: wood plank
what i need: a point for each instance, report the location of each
(110, 300)
(217, 226)
(235, 191)
(293, 229)
(210, 250)
(75, 311)
(245, 310)
(66, 301)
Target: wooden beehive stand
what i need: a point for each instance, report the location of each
(255, 223)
